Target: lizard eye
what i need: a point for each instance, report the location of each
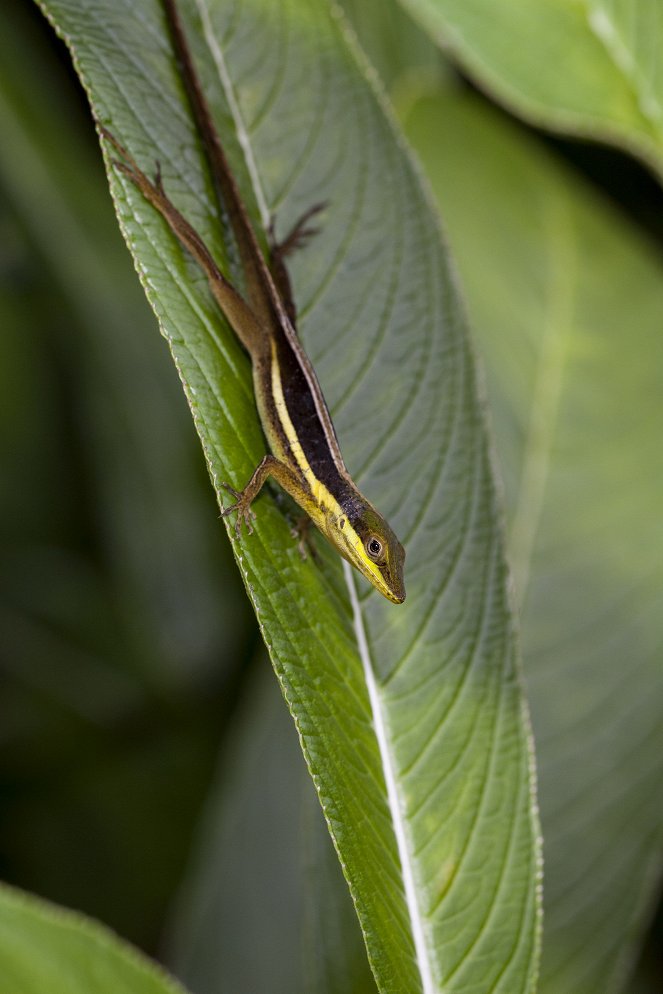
(374, 547)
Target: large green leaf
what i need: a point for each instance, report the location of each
(47, 949)
(567, 301)
(410, 718)
(593, 67)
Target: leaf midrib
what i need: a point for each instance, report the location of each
(394, 802)
(241, 130)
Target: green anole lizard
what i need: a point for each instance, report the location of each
(305, 457)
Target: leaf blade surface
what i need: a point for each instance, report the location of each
(425, 697)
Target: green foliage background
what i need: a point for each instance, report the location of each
(130, 663)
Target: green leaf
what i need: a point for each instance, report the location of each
(45, 948)
(411, 719)
(567, 300)
(593, 68)
(396, 47)
(265, 873)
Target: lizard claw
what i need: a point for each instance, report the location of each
(245, 514)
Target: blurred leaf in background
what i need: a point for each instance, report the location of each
(591, 69)
(124, 626)
(265, 872)
(44, 948)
